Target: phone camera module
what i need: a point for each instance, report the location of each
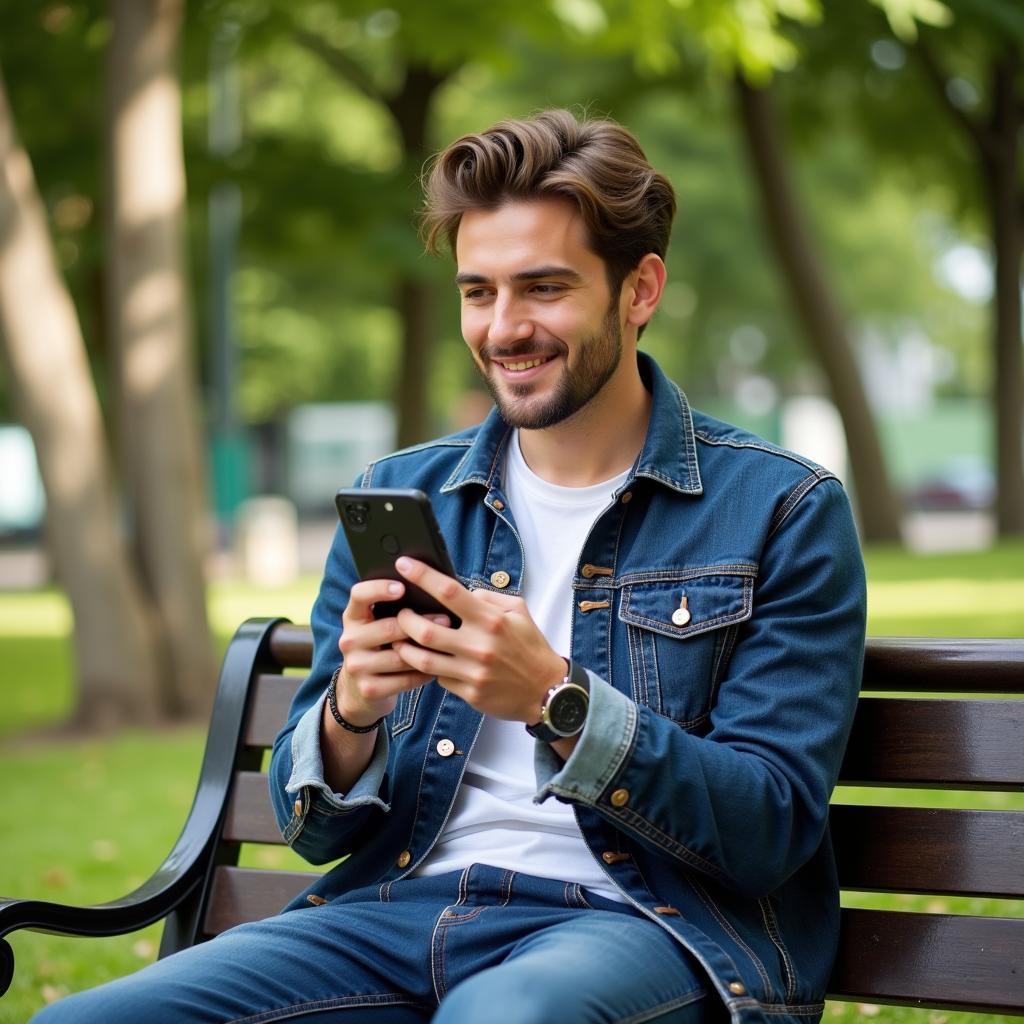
(358, 514)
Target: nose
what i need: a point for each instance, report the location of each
(509, 322)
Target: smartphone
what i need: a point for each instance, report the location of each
(381, 524)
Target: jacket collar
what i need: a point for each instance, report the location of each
(668, 456)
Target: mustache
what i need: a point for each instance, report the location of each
(526, 350)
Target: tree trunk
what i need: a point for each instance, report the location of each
(411, 111)
(45, 355)
(151, 328)
(1001, 168)
(414, 300)
(818, 310)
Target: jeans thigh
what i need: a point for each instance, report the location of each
(591, 967)
(308, 964)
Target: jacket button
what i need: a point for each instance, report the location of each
(500, 579)
(498, 505)
(620, 798)
(297, 808)
(611, 857)
(445, 748)
(404, 858)
(668, 912)
(627, 497)
(737, 988)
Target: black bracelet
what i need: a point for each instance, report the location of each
(332, 700)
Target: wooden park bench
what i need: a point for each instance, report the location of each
(971, 739)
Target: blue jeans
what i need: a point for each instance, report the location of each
(481, 945)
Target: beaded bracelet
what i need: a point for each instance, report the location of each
(332, 700)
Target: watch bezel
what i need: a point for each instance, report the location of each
(575, 679)
(556, 702)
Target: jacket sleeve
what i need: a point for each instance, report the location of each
(746, 803)
(316, 822)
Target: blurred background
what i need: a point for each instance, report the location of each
(214, 309)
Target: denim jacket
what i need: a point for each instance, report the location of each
(702, 778)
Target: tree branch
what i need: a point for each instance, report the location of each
(974, 130)
(341, 64)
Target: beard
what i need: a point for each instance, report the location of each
(598, 357)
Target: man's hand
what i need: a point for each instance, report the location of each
(373, 673)
(498, 660)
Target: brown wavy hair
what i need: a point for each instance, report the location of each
(626, 205)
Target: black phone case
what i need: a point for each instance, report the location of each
(383, 523)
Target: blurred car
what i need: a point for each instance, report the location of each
(962, 485)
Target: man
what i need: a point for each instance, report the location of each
(603, 797)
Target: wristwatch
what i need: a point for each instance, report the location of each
(564, 711)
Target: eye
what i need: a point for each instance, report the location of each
(548, 289)
(474, 294)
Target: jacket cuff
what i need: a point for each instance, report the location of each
(603, 747)
(308, 765)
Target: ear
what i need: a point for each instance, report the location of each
(643, 289)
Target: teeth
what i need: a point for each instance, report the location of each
(527, 365)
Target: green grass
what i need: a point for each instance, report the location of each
(114, 807)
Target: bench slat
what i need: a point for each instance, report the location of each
(271, 698)
(238, 895)
(940, 960)
(944, 665)
(959, 665)
(926, 850)
(948, 743)
(895, 741)
(292, 646)
(250, 818)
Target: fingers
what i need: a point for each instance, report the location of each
(383, 687)
(505, 602)
(432, 663)
(366, 593)
(427, 631)
(368, 635)
(449, 592)
(363, 662)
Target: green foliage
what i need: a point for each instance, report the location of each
(329, 193)
(904, 15)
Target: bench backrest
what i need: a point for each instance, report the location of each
(971, 741)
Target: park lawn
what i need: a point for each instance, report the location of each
(115, 806)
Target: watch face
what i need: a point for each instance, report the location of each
(568, 710)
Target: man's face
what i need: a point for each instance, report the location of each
(537, 313)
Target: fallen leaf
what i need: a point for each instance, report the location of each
(144, 949)
(57, 878)
(51, 993)
(104, 850)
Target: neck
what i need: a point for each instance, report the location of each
(600, 440)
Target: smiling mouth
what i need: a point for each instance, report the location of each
(523, 364)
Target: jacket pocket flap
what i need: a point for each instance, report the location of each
(716, 598)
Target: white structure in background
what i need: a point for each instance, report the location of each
(267, 540)
(901, 377)
(329, 445)
(811, 427)
(22, 500)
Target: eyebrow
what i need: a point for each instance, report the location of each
(533, 274)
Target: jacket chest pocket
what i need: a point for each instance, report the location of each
(680, 630)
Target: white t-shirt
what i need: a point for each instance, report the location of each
(494, 819)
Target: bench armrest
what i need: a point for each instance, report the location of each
(186, 868)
